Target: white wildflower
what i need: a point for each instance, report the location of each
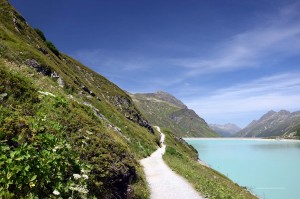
(57, 147)
(68, 146)
(46, 93)
(55, 192)
(85, 176)
(79, 188)
(76, 176)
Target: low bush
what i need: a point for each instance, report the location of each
(51, 46)
(40, 33)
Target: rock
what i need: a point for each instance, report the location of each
(45, 70)
(60, 82)
(43, 50)
(54, 75)
(86, 89)
(125, 106)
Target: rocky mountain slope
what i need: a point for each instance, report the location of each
(64, 129)
(165, 110)
(225, 130)
(282, 123)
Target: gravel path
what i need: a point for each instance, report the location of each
(165, 183)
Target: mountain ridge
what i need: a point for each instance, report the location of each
(67, 131)
(167, 111)
(226, 130)
(282, 123)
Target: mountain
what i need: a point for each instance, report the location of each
(68, 132)
(165, 110)
(226, 130)
(282, 123)
(64, 129)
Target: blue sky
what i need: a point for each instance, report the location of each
(229, 60)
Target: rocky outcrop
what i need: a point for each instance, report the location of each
(45, 70)
(126, 106)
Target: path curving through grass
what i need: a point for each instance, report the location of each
(163, 182)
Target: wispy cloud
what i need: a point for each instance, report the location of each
(236, 103)
(275, 39)
(279, 36)
(112, 60)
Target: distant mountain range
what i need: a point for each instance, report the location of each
(282, 124)
(225, 130)
(165, 110)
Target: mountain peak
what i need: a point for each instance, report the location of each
(225, 130)
(167, 97)
(285, 112)
(282, 123)
(164, 110)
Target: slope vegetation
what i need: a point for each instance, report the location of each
(183, 159)
(64, 129)
(165, 110)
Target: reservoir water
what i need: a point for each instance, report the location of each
(268, 168)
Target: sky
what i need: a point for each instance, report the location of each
(229, 60)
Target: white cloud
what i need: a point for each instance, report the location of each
(236, 103)
(279, 37)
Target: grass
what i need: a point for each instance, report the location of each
(110, 145)
(182, 158)
(183, 122)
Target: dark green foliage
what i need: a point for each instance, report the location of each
(37, 168)
(51, 46)
(298, 133)
(16, 87)
(173, 152)
(40, 33)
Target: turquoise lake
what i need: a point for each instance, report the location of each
(268, 168)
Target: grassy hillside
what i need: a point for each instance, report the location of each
(64, 129)
(164, 110)
(182, 158)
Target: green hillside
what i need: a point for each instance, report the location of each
(65, 131)
(64, 128)
(165, 110)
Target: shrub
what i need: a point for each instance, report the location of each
(40, 33)
(173, 151)
(47, 166)
(51, 46)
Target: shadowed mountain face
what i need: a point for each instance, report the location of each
(165, 110)
(282, 123)
(225, 130)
